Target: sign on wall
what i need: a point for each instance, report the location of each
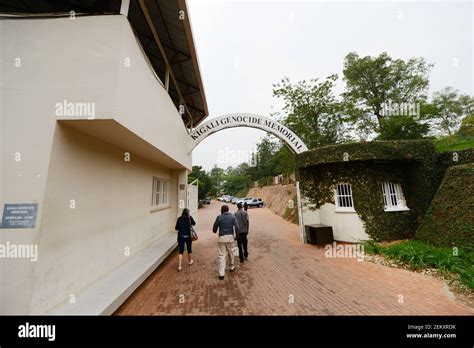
(19, 215)
(247, 120)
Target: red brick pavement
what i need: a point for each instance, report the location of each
(284, 277)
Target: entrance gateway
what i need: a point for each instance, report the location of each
(248, 120)
(259, 122)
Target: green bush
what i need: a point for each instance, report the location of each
(449, 220)
(466, 131)
(455, 157)
(414, 164)
(364, 151)
(365, 166)
(454, 142)
(418, 255)
(402, 127)
(372, 247)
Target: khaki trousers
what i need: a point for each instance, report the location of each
(224, 251)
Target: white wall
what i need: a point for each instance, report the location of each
(84, 60)
(80, 60)
(346, 226)
(310, 216)
(112, 213)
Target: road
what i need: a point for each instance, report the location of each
(285, 277)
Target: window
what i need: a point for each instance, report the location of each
(160, 192)
(344, 198)
(393, 197)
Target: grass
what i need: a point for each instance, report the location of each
(452, 143)
(418, 255)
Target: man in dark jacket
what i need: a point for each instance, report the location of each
(228, 228)
(243, 220)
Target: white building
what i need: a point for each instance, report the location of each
(91, 135)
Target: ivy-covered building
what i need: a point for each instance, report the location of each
(380, 190)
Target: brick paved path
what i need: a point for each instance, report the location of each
(281, 269)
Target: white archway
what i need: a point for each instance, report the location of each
(247, 120)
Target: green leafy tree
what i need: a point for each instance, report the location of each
(217, 179)
(312, 110)
(466, 131)
(403, 127)
(264, 166)
(372, 83)
(449, 108)
(204, 181)
(284, 160)
(236, 179)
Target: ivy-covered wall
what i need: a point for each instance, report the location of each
(413, 164)
(453, 158)
(449, 220)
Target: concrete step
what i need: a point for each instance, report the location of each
(105, 295)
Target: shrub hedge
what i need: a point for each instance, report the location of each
(449, 221)
(414, 164)
(365, 151)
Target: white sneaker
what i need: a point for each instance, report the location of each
(191, 262)
(231, 268)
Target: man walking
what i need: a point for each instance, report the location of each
(243, 220)
(226, 223)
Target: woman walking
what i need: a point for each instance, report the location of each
(183, 226)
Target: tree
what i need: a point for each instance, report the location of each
(266, 149)
(449, 108)
(285, 160)
(204, 181)
(372, 83)
(312, 110)
(403, 127)
(236, 179)
(217, 179)
(466, 131)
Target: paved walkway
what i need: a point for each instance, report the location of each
(283, 276)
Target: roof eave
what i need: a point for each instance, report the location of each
(192, 49)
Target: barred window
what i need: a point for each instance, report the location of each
(344, 197)
(393, 197)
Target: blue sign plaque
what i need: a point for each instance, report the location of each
(19, 215)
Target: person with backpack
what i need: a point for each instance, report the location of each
(228, 228)
(243, 220)
(185, 231)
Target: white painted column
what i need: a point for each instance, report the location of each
(300, 214)
(182, 190)
(124, 6)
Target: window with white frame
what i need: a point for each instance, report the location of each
(160, 195)
(393, 197)
(344, 200)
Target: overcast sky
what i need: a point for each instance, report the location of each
(246, 46)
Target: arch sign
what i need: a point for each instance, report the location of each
(247, 120)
